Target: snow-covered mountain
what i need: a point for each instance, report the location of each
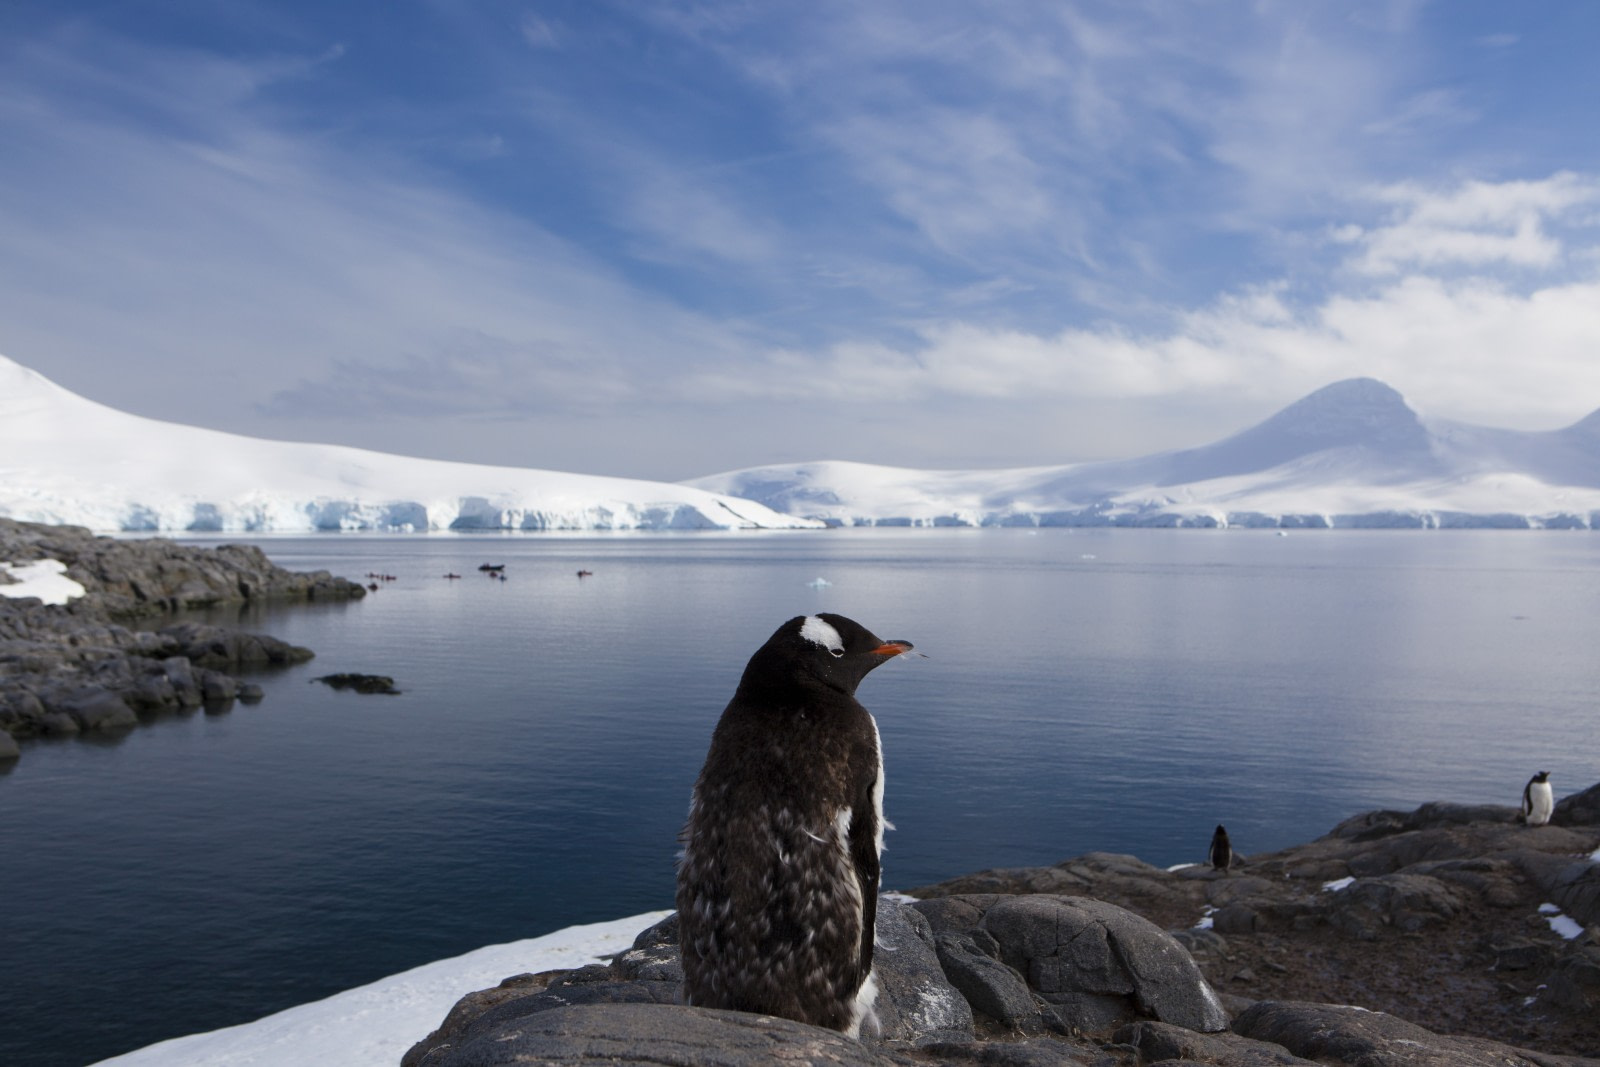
(1352, 454)
(65, 459)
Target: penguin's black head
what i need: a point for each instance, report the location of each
(1542, 776)
(826, 648)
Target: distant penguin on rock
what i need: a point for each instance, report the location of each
(1221, 854)
(1538, 801)
(778, 880)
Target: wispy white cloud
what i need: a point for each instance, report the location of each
(538, 32)
(1475, 224)
(1473, 345)
(230, 250)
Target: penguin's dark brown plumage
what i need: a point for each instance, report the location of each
(1221, 854)
(778, 882)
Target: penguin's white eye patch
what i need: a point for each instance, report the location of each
(816, 630)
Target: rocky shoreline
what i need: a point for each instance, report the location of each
(1449, 935)
(101, 663)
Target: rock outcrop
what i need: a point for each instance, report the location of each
(85, 667)
(1399, 939)
(127, 579)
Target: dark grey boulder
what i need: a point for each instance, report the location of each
(651, 1034)
(380, 684)
(185, 683)
(151, 692)
(8, 747)
(970, 962)
(1337, 1034)
(1201, 942)
(1575, 886)
(217, 688)
(94, 709)
(218, 647)
(486, 1011)
(1406, 902)
(916, 1002)
(1575, 980)
(1158, 1042)
(1579, 809)
(1026, 1052)
(654, 956)
(1096, 964)
(1073, 948)
(1498, 881)
(1236, 918)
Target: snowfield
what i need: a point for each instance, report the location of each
(373, 1025)
(1352, 454)
(65, 459)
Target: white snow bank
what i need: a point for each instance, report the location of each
(66, 459)
(44, 578)
(373, 1025)
(1565, 925)
(1338, 884)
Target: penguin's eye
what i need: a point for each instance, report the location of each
(836, 652)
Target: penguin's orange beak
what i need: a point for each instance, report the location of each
(892, 648)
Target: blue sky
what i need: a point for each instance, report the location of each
(668, 239)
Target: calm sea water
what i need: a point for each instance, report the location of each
(1115, 690)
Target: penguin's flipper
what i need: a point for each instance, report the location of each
(864, 838)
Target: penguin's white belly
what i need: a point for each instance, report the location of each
(1541, 802)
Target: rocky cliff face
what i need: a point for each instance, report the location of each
(82, 668)
(1399, 939)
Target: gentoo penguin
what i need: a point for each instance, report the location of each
(778, 880)
(1221, 854)
(1537, 800)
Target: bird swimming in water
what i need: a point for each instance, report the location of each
(778, 880)
(1220, 855)
(1538, 800)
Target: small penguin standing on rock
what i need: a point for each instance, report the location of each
(778, 880)
(1221, 854)
(1538, 801)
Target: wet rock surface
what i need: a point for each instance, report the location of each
(103, 662)
(360, 683)
(1399, 939)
